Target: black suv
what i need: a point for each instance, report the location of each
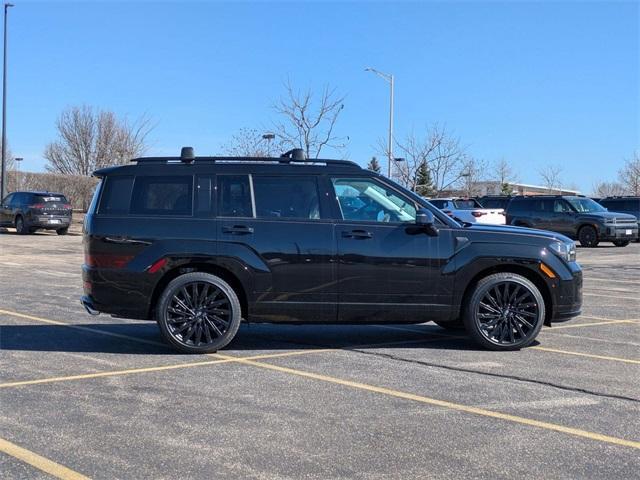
(576, 217)
(31, 211)
(199, 243)
(630, 205)
(495, 201)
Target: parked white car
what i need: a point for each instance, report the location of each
(469, 210)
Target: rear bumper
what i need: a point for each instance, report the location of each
(49, 222)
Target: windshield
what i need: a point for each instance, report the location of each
(585, 205)
(50, 199)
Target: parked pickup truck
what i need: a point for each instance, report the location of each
(470, 211)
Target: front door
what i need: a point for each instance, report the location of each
(389, 270)
(6, 217)
(282, 235)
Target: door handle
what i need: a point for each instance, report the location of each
(362, 234)
(126, 241)
(237, 229)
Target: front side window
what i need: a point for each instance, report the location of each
(286, 197)
(234, 196)
(7, 200)
(560, 206)
(170, 195)
(366, 200)
(585, 205)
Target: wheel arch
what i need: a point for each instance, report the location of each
(200, 266)
(522, 270)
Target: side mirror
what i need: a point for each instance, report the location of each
(424, 217)
(426, 220)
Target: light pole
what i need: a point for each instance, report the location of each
(269, 137)
(3, 173)
(388, 78)
(18, 160)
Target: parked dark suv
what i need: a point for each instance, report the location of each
(628, 204)
(576, 217)
(31, 211)
(200, 243)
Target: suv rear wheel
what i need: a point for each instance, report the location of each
(505, 312)
(20, 227)
(588, 236)
(198, 313)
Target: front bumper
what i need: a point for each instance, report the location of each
(567, 297)
(618, 232)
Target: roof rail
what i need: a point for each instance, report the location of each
(295, 156)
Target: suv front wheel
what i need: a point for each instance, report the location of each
(588, 236)
(505, 312)
(198, 313)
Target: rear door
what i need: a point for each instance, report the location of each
(388, 269)
(277, 225)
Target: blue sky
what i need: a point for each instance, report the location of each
(535, 83)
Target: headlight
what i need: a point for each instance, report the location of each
(566, 251)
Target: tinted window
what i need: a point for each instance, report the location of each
(234, 196)
(365, 199)
(466, 204)
(286, 197)
(8, 199)
(116, 195)
(163, 195)
(439, 203)
(204, 195)
(49, 199)
(520, 205)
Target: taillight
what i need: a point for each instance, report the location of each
(39, 206)
(157, 265)
(107, 260)
(478, 214)
(503, 213)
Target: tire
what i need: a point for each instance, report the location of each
(621, 243)
(21, 229)
(188, 324)
(62, 231)
(452, 326)
(498, 323)
(588, 237)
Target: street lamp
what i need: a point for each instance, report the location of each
(18, 160)
(268, 137)
(388, 78)
(4, 105)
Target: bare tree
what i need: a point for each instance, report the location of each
(307, 125)
(629, 175)
(550, 176)
(504, 174)
(473, 172)
(249, 142)
(607, 189)
(89, 138)
(440, 151)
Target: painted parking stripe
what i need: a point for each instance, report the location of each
(593, 324)
(156, 369)
(613, 297)
(445, 404)
(39, 462)
(588, 355)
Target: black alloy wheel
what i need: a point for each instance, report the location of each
(588, 236)
(20, 228)
(198, 313)
(621, 243)
(505, 312)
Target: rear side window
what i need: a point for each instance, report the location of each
(234, 196)
(286, 197)
(163, 195)
(116, 195)
(520, 206)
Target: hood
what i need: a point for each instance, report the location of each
(607, 216)
(508, 229)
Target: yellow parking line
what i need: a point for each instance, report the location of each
(580, 354)
(614, 297)
(84, 329)
(130, 371)
(593, 324)
(450, 405)
(39, 462)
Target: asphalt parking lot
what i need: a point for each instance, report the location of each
(100, 397)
